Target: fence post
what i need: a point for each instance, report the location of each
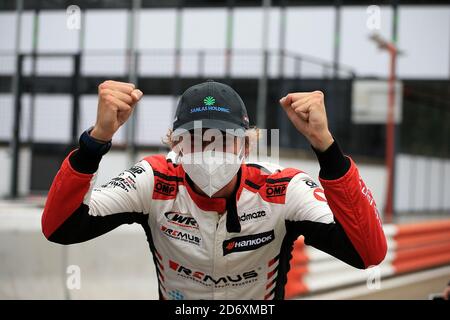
(75, 98)
(262, 94)
(15, 141)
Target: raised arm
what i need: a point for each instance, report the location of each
(343, 221)
(74, 211)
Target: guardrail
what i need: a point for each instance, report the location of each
(411, 247)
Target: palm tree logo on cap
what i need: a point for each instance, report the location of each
(209, 101)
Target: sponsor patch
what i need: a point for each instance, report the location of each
(276, 190)
(253, 215)
(181, 219)
(135, 170)
(235, 280)
(310, 183)
(181, 235)
(319, 194)
(247, 243)
(167, 189)
(125, 180)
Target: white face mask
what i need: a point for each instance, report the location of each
(212, 170)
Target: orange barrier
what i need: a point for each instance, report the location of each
(413, 247)
(420, 240)
(299, 268)
(421, 245)
(426, 262)
(423, 227)
(424, 251)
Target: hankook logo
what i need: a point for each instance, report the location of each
(247, 243)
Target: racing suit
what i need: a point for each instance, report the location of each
(217, 248)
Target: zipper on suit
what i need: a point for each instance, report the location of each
(216, 249)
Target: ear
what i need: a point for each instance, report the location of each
(176, 148)
(247, 147)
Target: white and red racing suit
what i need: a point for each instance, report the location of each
(217, 248)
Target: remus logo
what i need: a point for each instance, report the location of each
(247, 243)
(222, 282)
(180, 235)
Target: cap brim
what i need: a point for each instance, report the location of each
(221, 125)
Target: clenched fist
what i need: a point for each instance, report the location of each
(306, 110)
(116, 101)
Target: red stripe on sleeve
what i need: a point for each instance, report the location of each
(65, 196)
(354, 207)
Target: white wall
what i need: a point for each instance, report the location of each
(53, 37)
(152, 37)
(52, 120)
(24, 171)
(423, 34)
(422, 183)
(5, 160)
(356, 49)
(310, 32)
(106, 31)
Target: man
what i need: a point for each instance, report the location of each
(217, 229)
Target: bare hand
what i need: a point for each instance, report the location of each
(116, 101)
(306, 110)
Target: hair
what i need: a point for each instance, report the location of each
(251, 137)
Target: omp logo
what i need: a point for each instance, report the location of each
(247, 243)
(218, 282)
(209, 101)
(135, 170)
(165, 188)
(253, 216)
(181, 219)
(181, 235)
(276, 190)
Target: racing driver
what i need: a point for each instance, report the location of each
(218, 226)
